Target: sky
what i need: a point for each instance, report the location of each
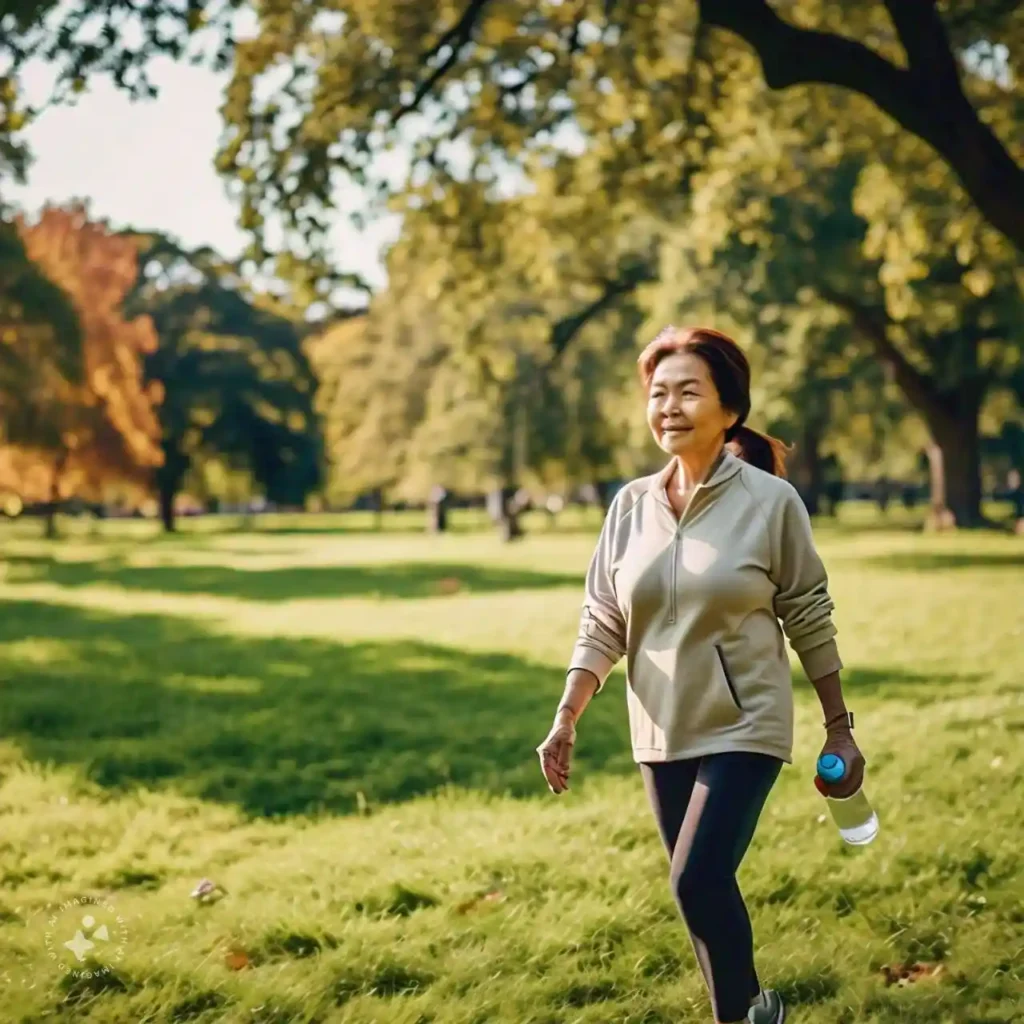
(149, 164)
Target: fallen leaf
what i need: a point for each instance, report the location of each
(449, 585)
(236, 959)
(491, 896)
(910, 973)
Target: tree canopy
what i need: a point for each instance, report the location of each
(840, 183)
(84, 417)
(235, 375)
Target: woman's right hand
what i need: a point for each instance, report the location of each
(556, 753)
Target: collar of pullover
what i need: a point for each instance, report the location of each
(727, 467)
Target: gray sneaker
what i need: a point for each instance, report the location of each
(770, 1011)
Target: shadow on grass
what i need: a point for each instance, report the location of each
(898, 683)
(278, 726)
(398, 580)
(932, 561)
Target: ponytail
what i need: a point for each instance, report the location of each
(759, 450)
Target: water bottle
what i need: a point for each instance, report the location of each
(857, 822)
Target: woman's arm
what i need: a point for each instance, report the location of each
(556, 750)
(805, 609)
(830, 696)
(580, 687)
(601, 639)
(839, 735)
(600, 643)
(802, 600)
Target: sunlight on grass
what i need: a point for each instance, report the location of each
(37, 651)
(213, 684)
(354, 764)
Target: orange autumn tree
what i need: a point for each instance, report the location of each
(77, 436)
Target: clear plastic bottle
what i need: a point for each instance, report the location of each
(856, 820)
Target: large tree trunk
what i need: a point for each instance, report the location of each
(167, 496)
(169, 478)
(954, 455)
(377, 504)
(807, 468)
(502, 504)
(954, 460)
(53, 505)
(50, 523)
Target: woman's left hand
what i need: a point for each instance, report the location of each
(840, 742)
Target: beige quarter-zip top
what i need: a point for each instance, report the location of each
(700, 607)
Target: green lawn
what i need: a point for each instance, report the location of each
(339, 725)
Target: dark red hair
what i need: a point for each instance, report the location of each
(730, 373)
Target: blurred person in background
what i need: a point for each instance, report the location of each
(693, 571)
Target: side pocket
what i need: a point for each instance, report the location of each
(728, 678)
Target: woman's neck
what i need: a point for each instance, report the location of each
(694, 468)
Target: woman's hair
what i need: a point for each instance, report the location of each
(730, 373)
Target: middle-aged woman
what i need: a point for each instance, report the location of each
(694, 569)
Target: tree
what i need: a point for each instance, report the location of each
(921, 88)
(374, 370)
(40, 351)
(79, 432)
(627, 106)
(236, 379)
(37, 324)
(937, 300)
(498, 73)
(111, 37)
(462, 373)
(645, 114)
(508, 78)
(931, 297)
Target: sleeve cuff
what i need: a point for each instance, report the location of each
(594, 662)
(821, 661)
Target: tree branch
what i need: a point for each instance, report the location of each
(455, 38)
(871, 323)
(566, 329)
(929, 105)
(925, 41)
(795, 56)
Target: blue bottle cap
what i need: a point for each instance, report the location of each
(831, 767)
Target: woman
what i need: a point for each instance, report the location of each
(694, 569)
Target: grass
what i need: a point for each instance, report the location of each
(338, 727)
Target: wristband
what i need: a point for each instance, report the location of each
(848, 715)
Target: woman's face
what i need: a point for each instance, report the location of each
(684, 411)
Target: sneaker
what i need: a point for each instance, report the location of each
(770, 1009)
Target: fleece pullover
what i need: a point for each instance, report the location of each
(695, 606)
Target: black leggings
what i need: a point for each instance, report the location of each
(707, 809)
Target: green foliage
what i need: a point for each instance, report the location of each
(558, 149)
(118, 38)
(408, 402)
(237, 383)
(838, 182)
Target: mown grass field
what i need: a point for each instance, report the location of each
(339, 728)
